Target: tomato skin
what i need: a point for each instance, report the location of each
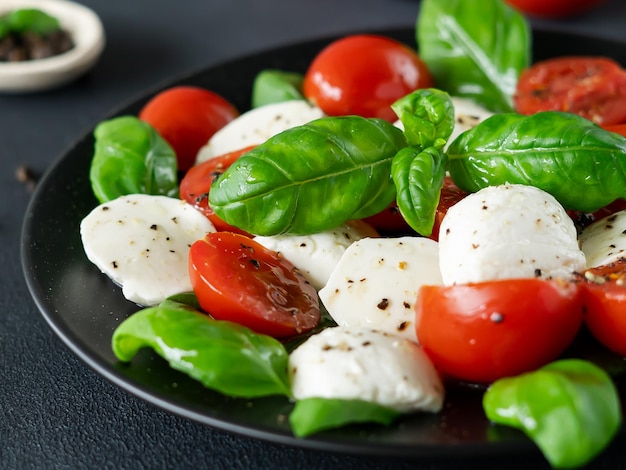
(554, 8)
(592, 87)
(450, 195)
(363, 75)
(237, 279)
(485, 331)
(196, 184)
(604, 298)
(186, 117)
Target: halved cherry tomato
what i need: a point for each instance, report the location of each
(485, 331)
(363, 75)
(196, 184)
(186, 117)
(554, 8)
(604, 298)
(390, 220)
(237, 279)
(592, 87)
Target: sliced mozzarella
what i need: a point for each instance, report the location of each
(604, 241)
(508, 231)
(467, 114)
(257, 125)
(363, 364)
(376, 281)
(317, 255)
(142, 243)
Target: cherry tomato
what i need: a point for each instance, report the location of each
(237, 279)
(617, 128)
(196, 184)
(186, 117)
(450, 195)
(364, 75)
(554, 8)
(485, 331)
(391, 221)
(604, 298)
(592, 87)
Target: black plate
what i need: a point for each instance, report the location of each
(83, 307)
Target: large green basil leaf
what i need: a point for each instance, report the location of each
(570, 408)
(311, 178)
(474, 49)
(418, 176)
(131, 158)
(276, 86)
(580, 164)
(313, 415)
(427, 116)
(32, 20)
(222, 355)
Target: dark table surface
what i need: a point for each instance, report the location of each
(55, 412)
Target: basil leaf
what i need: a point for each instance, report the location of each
(313, 415)
(131, 158)
(222, 355)
(5, 29)
(275, 86)
(474, 49)
(418, 176)
(427, 116)
(580, 164)
(570, 408)
(310, 178)
(32, 20)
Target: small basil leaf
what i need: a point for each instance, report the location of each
(310, 178)
(418, 176)
(580, 164)
(313, 415)
(222, 355)
(32, 20)
(131, 158)
(570, 408)
(474, 49)
(427, 116)
(276, 86)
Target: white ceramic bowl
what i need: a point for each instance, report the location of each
(43, 74)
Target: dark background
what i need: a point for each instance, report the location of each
(55, 412)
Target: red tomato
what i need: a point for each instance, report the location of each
(196, 184)
(186, 117)
(364, 75)
(604, 298)
(391, 221)
(237, 279)
(485, 331)
(617, 128)
(592, 87)
(554, 8)
(450, 195)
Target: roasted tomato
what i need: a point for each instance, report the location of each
(196, 184)
(237, 279)
(186, 117)
(364, 75)
(555, 8)
(592, 87)
(604, 298)
(485, 331)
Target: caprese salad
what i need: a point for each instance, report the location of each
(381, 225)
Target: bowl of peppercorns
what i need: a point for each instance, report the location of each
(45, 44)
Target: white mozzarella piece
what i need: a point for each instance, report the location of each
(604, 241)
(363, 364)
(467, 114)
(508, 231)
(317, 255)
(376, 281)
(142, 243)
(257, 125)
